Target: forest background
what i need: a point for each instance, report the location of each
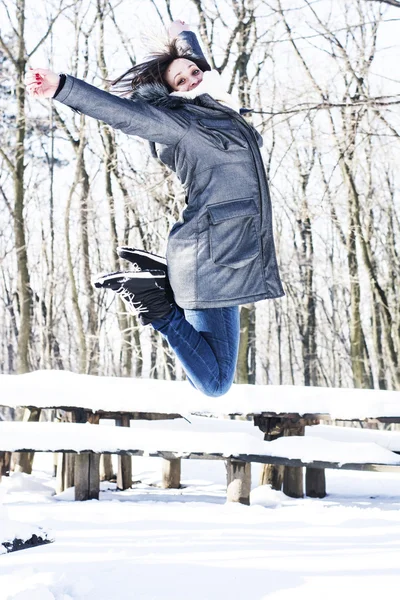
(322, 78)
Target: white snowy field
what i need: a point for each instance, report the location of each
(188, 544)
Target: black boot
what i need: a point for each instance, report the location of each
(146, 261)
(142, 260)
(143, 292)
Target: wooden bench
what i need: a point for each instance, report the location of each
(277, 411)
(206, 441)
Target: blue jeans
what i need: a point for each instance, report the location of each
(206, 341)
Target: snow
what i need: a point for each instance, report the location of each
(63, 388)
(188, 544)
(202, 435)
(11, 530)
(147, 543)
(387, 439)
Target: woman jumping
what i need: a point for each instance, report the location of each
(221, 252)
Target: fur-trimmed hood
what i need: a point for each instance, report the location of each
(157, 94)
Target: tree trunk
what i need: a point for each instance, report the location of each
(245, 369)
(23, 286)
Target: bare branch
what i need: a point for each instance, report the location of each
(7, 51)
(390, 2)
(45, 36)
(7, 202)
(306, 106)
(8, 160)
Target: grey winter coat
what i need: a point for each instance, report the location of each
(221, 252)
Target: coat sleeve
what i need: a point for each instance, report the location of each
(188, 42)
(133, 117)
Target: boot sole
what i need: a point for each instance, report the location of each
(124, 252)
(130, 275)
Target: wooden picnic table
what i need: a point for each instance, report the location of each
(276, 410)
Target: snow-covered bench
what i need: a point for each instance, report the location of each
(235, 441)
(238, 442)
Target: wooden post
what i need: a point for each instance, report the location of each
(87, 484)
(272, 475)
(293, 482)
(124, 475)
(87, 472)
(238, 475)
(315, 483)
(65, 476)
(106, 467)
(272, 427)
(5, 464)
(171, 473)
(22, 461)
(293, 477)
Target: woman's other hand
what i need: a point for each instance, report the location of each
(41, 83)
(176, 28)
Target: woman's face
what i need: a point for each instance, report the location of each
(183, 75)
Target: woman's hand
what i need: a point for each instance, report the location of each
(41, 83)
(176, 28)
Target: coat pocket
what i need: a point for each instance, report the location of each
(234, 241)
(224, 133)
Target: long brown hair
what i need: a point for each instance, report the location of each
(153, 69)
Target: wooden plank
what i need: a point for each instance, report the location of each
(258, 458)
(295, 462)
(106, 414)
(238, 476)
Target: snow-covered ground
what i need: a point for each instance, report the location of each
(188, 544)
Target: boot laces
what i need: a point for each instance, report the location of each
(128, 297)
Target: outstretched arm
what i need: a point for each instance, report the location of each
(133, 117)
(187, 39)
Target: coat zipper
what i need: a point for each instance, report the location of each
(246, 126)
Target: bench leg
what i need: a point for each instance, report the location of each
(293, 482)
(22, 461)
(106, 467)
(65, 476)
(87, 478)
(5, 464)
(238, 475)
(272, 475)
(124, 475)
(171, 473)
(315, 483)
